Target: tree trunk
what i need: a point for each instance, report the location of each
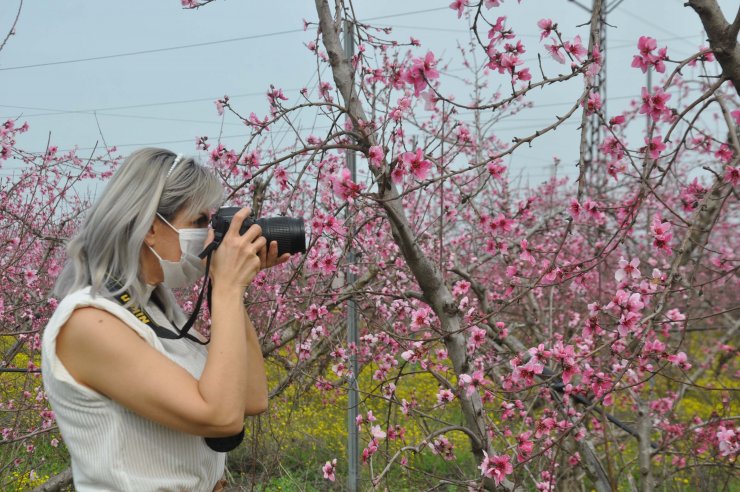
(426, 273)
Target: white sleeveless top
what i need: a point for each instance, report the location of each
(112, 448)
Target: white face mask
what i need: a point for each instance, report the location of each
(190, 268)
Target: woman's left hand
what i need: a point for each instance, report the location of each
(269, 258)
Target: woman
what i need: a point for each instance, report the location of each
(133, 407)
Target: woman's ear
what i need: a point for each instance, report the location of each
(151, 236)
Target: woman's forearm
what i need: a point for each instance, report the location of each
(257, 398)
(225, 382)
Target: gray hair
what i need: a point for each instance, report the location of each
(108, 245)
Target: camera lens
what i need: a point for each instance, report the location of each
(287, 231)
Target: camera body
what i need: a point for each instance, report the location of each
(289, 232)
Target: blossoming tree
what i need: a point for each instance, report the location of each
(576, 332)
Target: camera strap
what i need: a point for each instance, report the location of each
(162, 332)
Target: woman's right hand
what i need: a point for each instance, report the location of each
(237, 259)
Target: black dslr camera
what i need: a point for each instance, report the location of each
(289, 232)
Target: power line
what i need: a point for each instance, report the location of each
(406, 13)
(156, 50)
(196, 45)
(51, 111)
(656, 26)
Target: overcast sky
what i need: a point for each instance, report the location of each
(165, 97)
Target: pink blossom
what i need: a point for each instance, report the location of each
(554, 50)
(275, 96)
(706, 57)
(329, 468)
(654, 146)
(220, 103)
(593, 103)
(574, 208)
(459, 5)
(445, 396)
(443, 447)
(471, 383)
(627, 269)
(496, 467)
(376, 155)
(525, 373)
(727, 437)
(724, 154)
(612, 147)
(371, 449)
(525, 446)
(421, 71)
(625, 301)
(399, 172)
(430, 99)
(616, 120)
(647, 58)
(525, 255)
(595, 67)
(732, 175)
(547, 27)
(736, 116)
(416, 163)
(344, 187)
(661, 235)
(575, 48)
(477, 338)
(496, 169)
(680, 360)
(421, 318)
(654, 104)
(592, 209)
(460, 288)
(646, 45)
(30, 275)
(509, 61)
(524, 75)
(377, 432)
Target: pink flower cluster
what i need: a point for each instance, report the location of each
(654, 104)
(573, 49)
(411, 163)
(472, 383)
(442, 446)
(628, 306)
(496, 467)
(662, 235)
(344, 187)
(593, 103)
(732, 175)
(507, 60)
(421, 72)
(729, 441)
(646, 59)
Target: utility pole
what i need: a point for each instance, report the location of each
(596, 131)
(353, 451)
